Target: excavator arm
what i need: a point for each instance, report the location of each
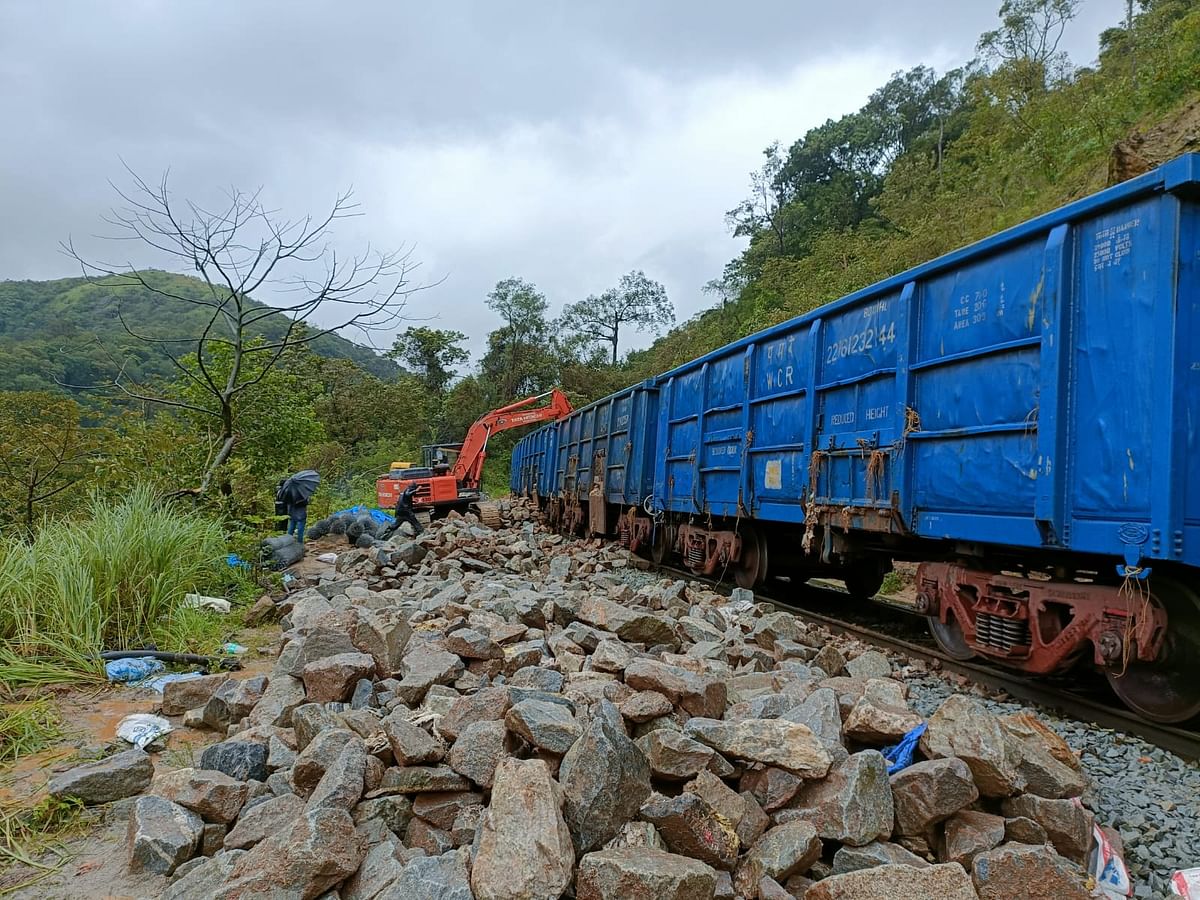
(468, 468)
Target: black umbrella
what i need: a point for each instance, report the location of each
(302, 485)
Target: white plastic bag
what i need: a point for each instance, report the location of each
(1186, 883)
(199, 601)
(1107, 868)
(142, 729)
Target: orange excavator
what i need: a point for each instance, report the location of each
(450, 475)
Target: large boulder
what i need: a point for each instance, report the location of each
(341, 786)
(213, 796)
(881, 715)
(332, 678)
(263, 819)
(412, 745)
(929, 792)
(968, 833)
(547, 726)
(1020, 870)
(772, 742)
(962, 728)
(947, 882)
(180, 696)
(852, 806)
(820, 713)
(240, 760)
(162, 835)
(636, 626)
(442, 877)
(478, 750)
(642, 873)
(284, 694)
(782, 852)
(605, 780)
(876, 853)
(488, 704)
(691, 827)
(697, 695)
(313, 853)
(674, 756)
(1067, 825)
(523, 848)
(114, 778)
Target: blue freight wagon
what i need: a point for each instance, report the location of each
(603, 469)
(1022, 415)
(532, 466)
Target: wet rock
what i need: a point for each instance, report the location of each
(332, 678)
(114, 778)
(605, 780)
(441, 877)
(962, 728)
(213, 796)
(317, 851)
(782, 852)
(929, 792)
(968, 833)
(646, 705)
(161, 835)
(1069, 827)
(548, 726)
(853, 805)
(691, 827)
(1038, 873)
(821, 714)
(240, 760)
(876, 853)
(412, 745)
(524, 848)
(471, 644)
(643, 874)
(263, 819)
(489, 704)
(891, 882)
(881, 714)
(478, 750)
(772, 742)
(341, 786)
(697, 695)
(180, 696)
(871, 664)
(673, 756)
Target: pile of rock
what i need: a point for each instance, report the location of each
(500, 715)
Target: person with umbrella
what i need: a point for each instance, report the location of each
(296, 492)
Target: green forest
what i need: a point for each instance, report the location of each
(107, 385)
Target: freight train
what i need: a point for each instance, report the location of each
(1021, 417)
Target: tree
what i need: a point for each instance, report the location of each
(523, 308)
(1028, 38)
(239, 248)
(637, 301)
(433, 353)
(44, 451)
(763, 210)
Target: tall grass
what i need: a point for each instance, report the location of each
(114, 580)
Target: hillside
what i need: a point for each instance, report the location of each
(68, 331)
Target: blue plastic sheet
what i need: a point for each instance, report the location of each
(131, 671)
(236, 562)
(901, 756)
(377, 514)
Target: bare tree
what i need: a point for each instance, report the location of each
(1029, 36)
(236, 250)
(637, 301)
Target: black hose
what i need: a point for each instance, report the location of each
(188, 658)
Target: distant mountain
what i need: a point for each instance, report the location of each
(67, 331)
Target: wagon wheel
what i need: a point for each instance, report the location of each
(950, 638)
(751, 569)
(1168, 689)
(864, 581)
(660, 547)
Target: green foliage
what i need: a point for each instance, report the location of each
(113, 581)
(44, 451)
(433, 353)
(28, 727)
(69, 331)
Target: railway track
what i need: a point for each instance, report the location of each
(1183, 742)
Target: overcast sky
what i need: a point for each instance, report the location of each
(565, 142)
